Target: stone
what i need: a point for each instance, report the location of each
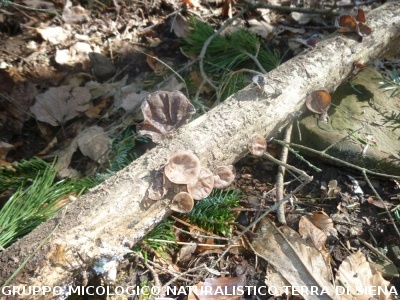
(359, 106)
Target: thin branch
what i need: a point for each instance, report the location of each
(342, 162)
(281, 174)
(256, 61)
(381, 200)
(47, 11)
(208, 42)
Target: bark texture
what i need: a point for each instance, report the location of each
(98, 223)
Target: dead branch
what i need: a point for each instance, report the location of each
(97, 224)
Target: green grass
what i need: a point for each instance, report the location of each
(213, 213)
(229, 53)
(31, 205)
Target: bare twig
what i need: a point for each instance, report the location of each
(381, 200)
(342, 162)
(47, 11)
(157, 281)
(256, 61)
(172, 70)
(281, 175)
(371, 248)
(344, 138)
(208, 42)
(191, 243)
(197, 235)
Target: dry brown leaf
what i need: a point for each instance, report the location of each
(191, 3)
(186, 251)
(274, 279)
(4, 149)
(316, 236)
(197, 80)
(74, 14)
(155, 64)
(130, 97)
(181, 26)
(96, 110)
(64, 157)
(40, 4)
(298, 263)
(61, 104)
(359, 280)
(323, 222)
(78, 53)
(224, 288)
(376, 202)
(94, 143)
(22, 96)
(54, 35)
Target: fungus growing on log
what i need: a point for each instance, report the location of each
(257, 145)
(353, 23)
(182, 168)
(164, 112)
(319, 102)
(182, 202)
(203, 186)
(224, 176)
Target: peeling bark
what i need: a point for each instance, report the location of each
(98, 223)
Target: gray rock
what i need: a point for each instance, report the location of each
(359, 105)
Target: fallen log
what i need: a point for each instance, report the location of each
(100, 222)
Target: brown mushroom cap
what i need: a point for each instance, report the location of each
(182, 203)
(224, 176)
(318, 101)
(164, 112)
(182, 168)
(257, 145)
(203, 186)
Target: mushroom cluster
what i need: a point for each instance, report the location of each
(188, 181)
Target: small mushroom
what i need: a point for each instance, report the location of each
(182, 168)
(319, 102)
(164, 112)
(224, 176)
(257, 145)
(203, 186)
(183, 203)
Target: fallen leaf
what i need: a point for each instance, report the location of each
(4, 149)
(309, 231)
(155, 64)
(321, 220)
(60, 104)
(298, 263)
(54, 35)
(361, 281)
(376, 202)
(94, 143)
(181, 26)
